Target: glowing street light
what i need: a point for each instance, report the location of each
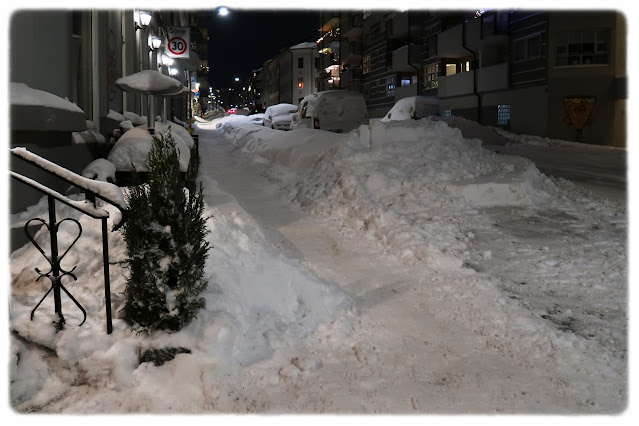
(223, 11)
(237, 79)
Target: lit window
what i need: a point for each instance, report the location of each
(366, 64)
(432, 74)
(390, 85)
(503, 115)
(447, 113)
(300, 83)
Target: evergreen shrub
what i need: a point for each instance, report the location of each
(165, 235)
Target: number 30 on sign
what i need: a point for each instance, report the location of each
(178, 42)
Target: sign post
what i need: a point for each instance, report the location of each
(178, 41)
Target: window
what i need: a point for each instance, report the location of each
(432, 75)
(300, 62)
(300, 83)
(583, 48)
(503, 115)
(366, 64)
(447, 113)
(388, 60)
(404, 82)
(317, 63)
(390, 85)
(528, 48)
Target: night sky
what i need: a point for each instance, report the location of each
(245, 39)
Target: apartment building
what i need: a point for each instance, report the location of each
(559, 74)
(555, 74)
(78, 55)
(298, 72)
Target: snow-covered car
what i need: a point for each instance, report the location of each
(257, 119)
(413, 107)
(333, 110)
(279, 116)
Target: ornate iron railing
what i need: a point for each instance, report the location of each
(93, 190)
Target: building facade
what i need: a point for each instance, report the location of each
(558, 74)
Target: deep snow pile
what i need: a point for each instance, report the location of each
(256, 299)
(389, 179)
(428, 195)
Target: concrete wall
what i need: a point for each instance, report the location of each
(596, 81)
(40, 43)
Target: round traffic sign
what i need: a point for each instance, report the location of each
(177, 45)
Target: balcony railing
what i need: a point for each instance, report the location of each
(492, 78)
(402, 62)
(456, 84)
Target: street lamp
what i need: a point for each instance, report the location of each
(156, 42)
(145, 20)
(223, 11)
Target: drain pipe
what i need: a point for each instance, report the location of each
(418, 91)
(475, 73)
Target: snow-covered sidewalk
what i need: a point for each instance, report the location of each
(396, 269)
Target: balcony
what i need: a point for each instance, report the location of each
(450, 43)
(456, 84)
(401, 60)
(488, 34)
(492, 78)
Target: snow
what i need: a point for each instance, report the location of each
(100, 169)
(21, 94)
(106, 190)
(150, 82)
(413, 107)
(83, 205)
(115, 116)
(134, 118)
(335, 110)
(308, 45)
(399, 268)
(131, 151)
(91, 135)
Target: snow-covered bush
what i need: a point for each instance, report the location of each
(165, 235)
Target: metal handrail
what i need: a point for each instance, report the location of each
(87, 207)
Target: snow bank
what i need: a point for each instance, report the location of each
(256, 300)
(131, 151)
(391, 179)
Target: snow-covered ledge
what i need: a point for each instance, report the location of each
(33, 109)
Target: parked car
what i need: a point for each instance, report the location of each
(413, 107)
(279, 116)
(257, 119)
(332, 110)
(231, 111)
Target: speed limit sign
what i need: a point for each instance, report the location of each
(178, 42)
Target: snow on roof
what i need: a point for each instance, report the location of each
(307, 45)
(21, 94)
